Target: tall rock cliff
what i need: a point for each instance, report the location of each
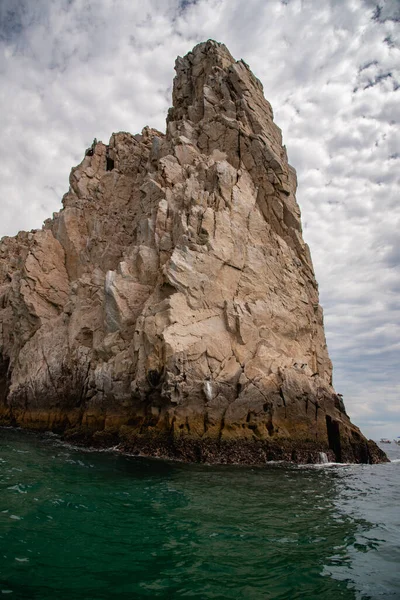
(171, 306)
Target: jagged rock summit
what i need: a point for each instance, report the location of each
(171, 306)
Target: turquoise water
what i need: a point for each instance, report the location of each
(83, 525)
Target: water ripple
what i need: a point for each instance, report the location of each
(88, 525)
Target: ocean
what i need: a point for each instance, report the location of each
(83, 525)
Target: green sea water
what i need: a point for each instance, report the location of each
(84, 525)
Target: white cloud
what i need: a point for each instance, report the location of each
(73, 70)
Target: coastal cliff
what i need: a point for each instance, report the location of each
(171, 306)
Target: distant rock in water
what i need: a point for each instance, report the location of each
(171, 306)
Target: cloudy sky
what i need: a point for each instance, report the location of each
(72, 70)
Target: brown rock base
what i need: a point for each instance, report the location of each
(210, 450)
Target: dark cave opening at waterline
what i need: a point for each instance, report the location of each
(334, 437)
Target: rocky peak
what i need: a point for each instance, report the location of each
(171, 307)
(196, 80)
(210, 86)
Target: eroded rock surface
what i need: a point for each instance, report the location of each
(171, 305)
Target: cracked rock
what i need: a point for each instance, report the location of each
(172, 301)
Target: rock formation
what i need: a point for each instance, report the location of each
(171, 306)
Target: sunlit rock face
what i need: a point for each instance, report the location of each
(171, 306)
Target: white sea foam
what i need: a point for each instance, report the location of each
(323, 459)
(325, 465)
(18, 488)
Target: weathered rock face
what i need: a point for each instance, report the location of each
(171, 306)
